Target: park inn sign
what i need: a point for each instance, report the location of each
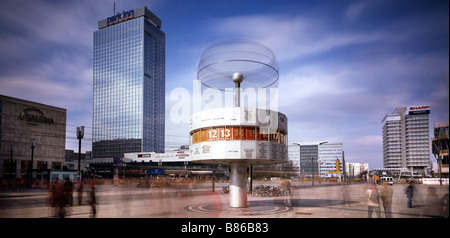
(120, 17)
(34, 116)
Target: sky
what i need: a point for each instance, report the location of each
(343, 65)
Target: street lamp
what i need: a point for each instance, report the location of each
(80, 135)
(312, 171)
(32, 145)
(11, 150)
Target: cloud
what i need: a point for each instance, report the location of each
(47, 22)
(48, 53)
(291, 37)
(356, 9)
(338, 81)
(53, 82)
(342, 67)
(47, 57)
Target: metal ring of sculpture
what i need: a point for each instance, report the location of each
(255, 61)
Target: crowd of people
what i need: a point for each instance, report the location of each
(61, 196)
(379, 201)
(378, 197)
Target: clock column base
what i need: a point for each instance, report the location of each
(238, 185)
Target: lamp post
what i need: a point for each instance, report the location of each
(11, 150)
(80, 135)
(343, 162)
(32, 145)
(312, 171)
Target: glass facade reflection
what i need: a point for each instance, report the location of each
(309, 155)
(129, 88)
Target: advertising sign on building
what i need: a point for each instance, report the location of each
(156, 171)
(415, 110)
(33, 116)
(120, 17)
(118, 163)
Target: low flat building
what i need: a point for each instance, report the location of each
(23, 124)
(174, 163)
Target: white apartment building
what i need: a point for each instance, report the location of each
(355, 169)
(406, 143)
(328, 154)
(294, 156)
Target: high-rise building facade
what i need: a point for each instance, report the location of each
(316, 157)
(309, 156)
(129, 84)
(328, 154)
(406, 143)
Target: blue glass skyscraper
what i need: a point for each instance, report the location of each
(129, 84)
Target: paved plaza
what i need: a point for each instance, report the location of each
(182, 200)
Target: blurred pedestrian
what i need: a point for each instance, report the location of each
(21, 185)
(68, 192)
(373, 201)
(93, 201)
(54, 190)
(80, 193)
(386, 199)
(58, 200)
(444, 202)
(346, 193)
(410, 193)
(287, 187)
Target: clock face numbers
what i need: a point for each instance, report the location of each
(237, 133)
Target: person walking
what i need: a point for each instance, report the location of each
(68, 192)
(410, 193)
(386, 199)
(93, 201)
(80, 193)
(373, 201)
(346, 193)
(54, 190)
